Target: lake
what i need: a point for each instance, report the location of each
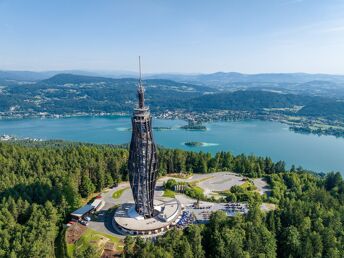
(263, 138)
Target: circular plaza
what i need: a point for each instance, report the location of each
(167, 212)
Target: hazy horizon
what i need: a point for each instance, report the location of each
(174, 37)
(135, 73)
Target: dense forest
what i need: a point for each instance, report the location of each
(41, 184)
(309, 222)
(252, 100)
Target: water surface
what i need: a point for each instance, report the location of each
(264, 138)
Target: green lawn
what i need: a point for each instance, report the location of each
(195, 192)
(118, 193)
(96, 239)
(70, 250)
(180, 175)
(169, 193)
(92, 234)
(194, 183)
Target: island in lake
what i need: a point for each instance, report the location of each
(194, 125)
(194, 144)
(162, 128)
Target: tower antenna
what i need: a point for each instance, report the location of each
(140, 90)
(140, 78)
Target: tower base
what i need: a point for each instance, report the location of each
(167, 212)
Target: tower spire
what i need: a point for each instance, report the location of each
(140, 89)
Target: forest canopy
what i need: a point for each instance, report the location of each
(41, 184)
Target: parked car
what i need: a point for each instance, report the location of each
(82, 222)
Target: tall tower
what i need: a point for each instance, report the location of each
(143, 158)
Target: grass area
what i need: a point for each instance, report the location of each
(242, 193)
(180, 175)
(119, 193)
(195, 192)
(198, 189)
(89, 238)
(248, 185)
(70, 250)
(96, 239)
(169, 193)
(93, 233)
(194, 183)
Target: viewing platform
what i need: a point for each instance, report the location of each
(167, 212)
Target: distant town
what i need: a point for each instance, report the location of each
(6, 137)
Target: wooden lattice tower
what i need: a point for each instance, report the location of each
(143, 158)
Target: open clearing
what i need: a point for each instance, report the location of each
(78, 237)
(118, 193)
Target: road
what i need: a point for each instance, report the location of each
(104, 221)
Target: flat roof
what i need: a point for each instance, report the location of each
(171, 211)
(83, 210)
(96, 202)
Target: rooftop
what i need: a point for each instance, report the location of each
(170, 210)
(81, 211)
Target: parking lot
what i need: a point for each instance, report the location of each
(185, 219)
(203, 211)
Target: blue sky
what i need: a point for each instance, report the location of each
(173, 35)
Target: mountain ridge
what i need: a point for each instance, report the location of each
(232, 76)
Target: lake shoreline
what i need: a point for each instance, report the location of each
(262, 138)
(300, 127)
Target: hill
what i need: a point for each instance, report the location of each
(223, 78)
(25, 75)
(250, 100)
(69, 94)
(328, 109)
